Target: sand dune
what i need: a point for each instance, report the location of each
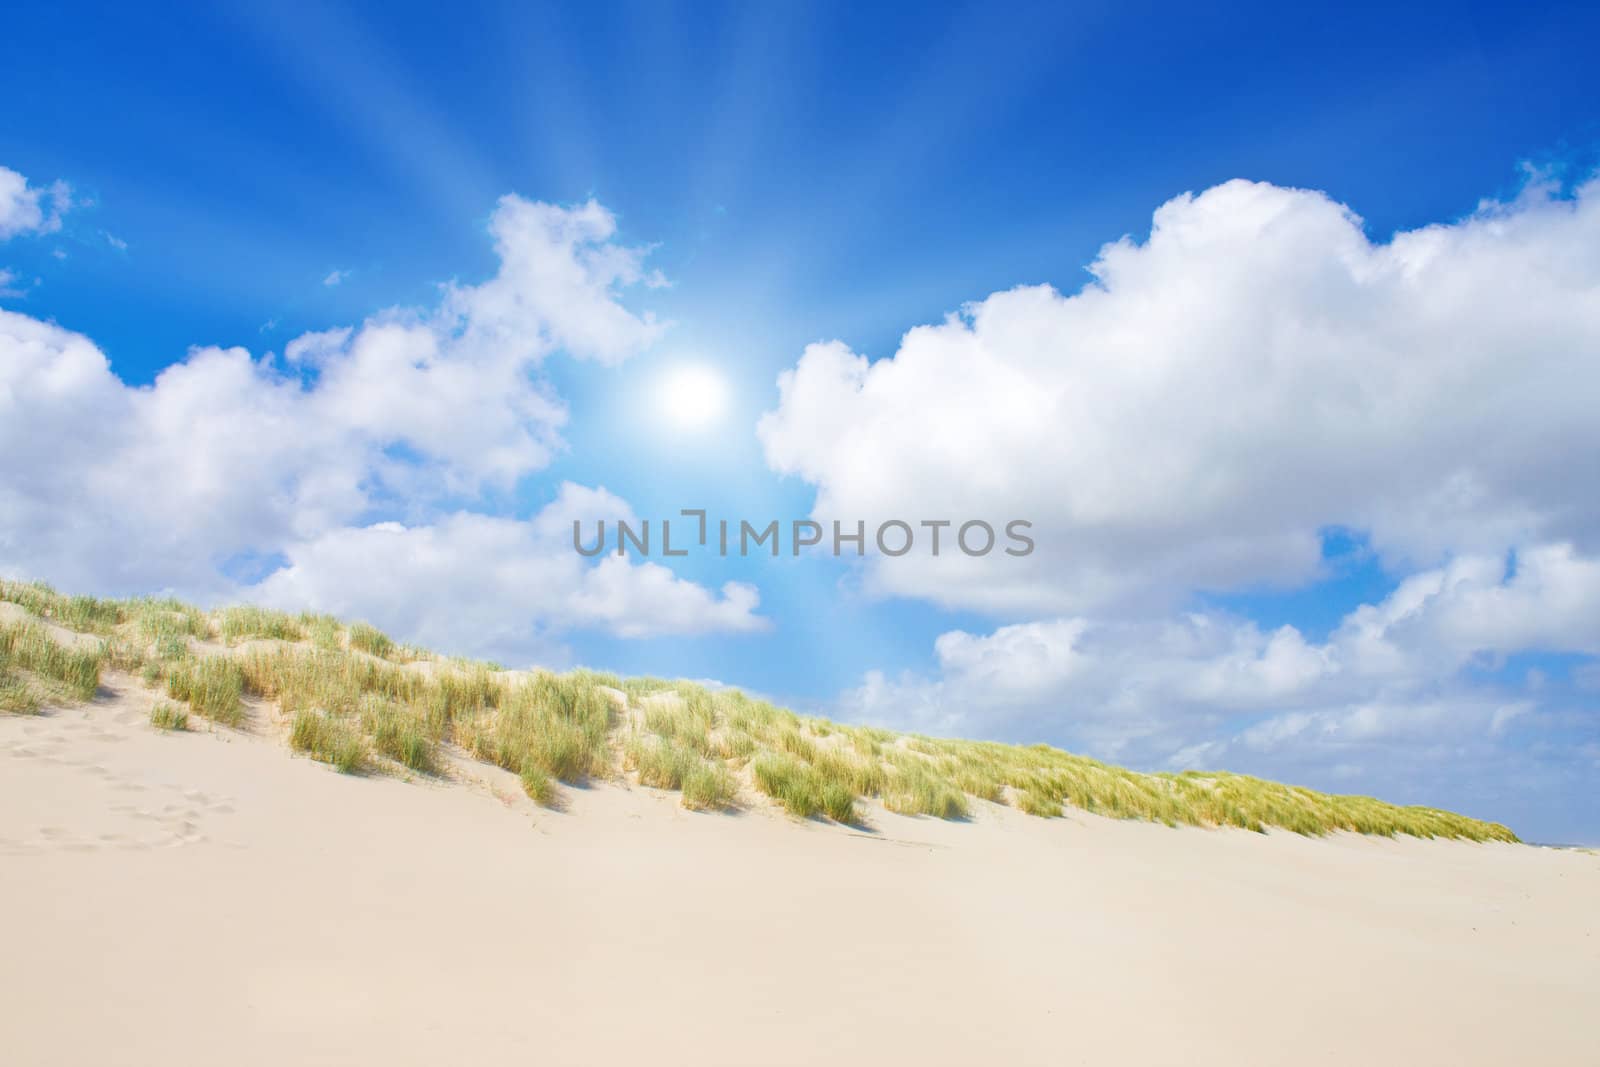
(203, 898)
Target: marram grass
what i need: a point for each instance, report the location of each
(29, 647)
(329, 739)
(356, 700)
(166, 715)
(211, 685)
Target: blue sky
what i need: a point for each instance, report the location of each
(809, 173)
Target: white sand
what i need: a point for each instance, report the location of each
(209, 899)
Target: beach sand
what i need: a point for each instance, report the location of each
(206, 898)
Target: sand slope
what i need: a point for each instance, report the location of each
(207, 898)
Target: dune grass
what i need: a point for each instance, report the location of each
(210, 685)
(249, 621)
(802, 789)
(168, 716)
(163, 619)
(70, 673)
(353, 701)
(323, 630)
(402, 733)
(705, 784)
(329, 739)
(371, 640)
(914, 786)
(554, 724)
(16, 695)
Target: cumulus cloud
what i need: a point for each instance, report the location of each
(345, 463)
(30, 209)
(1197, 418)
(559, 272)
(1256, 371)
(1396, 680)
(501, 586)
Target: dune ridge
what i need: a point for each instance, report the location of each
(195, 897)
(349, 696)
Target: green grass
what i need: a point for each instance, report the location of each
(36, 598)
(801, 789)
(664, 763)
(211, 686)
(1039, 802)
(159, 619)
(249, 621)
(914, 787)
(16, 695)
(168, 716)
(353, 703)
(709, 786)
(688, 722)
(862, 776)
(74, 673)
(329, 739)
(331, 680)
(558, 724)
(371, 640)
(401, 733)
(539, 786)
(323, 630)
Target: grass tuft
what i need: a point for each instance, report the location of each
(323, 630)
(329, 739)
(212, 686)
(559, 724)
(915, 789)
(168, 716)
(370, 639)
(539, 786)
(75, 672)
(400, 733)
(801, 790)
(16, 695)
(249, 621)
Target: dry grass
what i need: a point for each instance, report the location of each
(352, 704)
(372, 640)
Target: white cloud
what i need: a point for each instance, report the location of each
(559, 272)
(411, 416)
(7, 279)
(30, 209)
(499, 586)
(335, 277)
(1255, 372)
(1166, 691)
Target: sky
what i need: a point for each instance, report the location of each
(1280, 326)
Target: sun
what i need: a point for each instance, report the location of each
(693, 396)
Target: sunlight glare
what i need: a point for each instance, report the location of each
(693, 395)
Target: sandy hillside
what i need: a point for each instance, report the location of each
(204, 898)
